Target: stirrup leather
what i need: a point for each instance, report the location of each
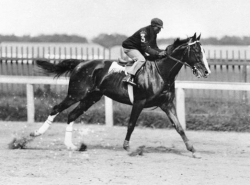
(129, 79)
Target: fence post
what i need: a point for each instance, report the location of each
(180, 106)
(30, 103)
(109, 117)
(109, 121)
(244, 72)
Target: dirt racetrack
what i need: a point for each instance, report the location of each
(225, 157)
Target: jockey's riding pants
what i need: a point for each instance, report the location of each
(135, 55)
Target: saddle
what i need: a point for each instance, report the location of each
(130, 62)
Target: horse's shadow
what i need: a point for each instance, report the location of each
(140, 150)
(143, 149)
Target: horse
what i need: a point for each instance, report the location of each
(90, 80)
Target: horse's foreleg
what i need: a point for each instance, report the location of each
(136, 110)
(170, 110)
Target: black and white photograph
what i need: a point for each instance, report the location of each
(124, 92)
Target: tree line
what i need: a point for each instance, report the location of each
(110, 40)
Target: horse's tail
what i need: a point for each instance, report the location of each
(65, 67)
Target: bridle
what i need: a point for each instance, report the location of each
(187, 50)
(186, 46)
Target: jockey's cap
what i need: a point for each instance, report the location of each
(157, 22)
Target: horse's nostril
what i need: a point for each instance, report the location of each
(206, 72)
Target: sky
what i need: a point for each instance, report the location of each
(89, 18)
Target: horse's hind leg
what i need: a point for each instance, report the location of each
(67, 102)
(170, 110)
(83, 106)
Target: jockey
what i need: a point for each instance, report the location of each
(141, 42)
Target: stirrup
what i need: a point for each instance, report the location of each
(129, 79)
(131, 82)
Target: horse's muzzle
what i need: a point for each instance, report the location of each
(200, 73)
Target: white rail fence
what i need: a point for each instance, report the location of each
(180, 93)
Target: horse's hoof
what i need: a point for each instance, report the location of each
(35, 134)
(32, 134)
(127, 148)
(126, 145)
(82, 147)
(196, 155)
(190, 147)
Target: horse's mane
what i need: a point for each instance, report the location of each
(177, 42)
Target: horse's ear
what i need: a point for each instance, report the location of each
(198, 38)
(194, 37)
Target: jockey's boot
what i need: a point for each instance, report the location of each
(129, 79)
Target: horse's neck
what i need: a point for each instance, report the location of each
(169, 68)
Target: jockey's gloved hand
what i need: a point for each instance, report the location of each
(162, 54)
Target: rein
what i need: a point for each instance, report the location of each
(187, 49)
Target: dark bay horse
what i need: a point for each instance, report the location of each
(90, 80)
